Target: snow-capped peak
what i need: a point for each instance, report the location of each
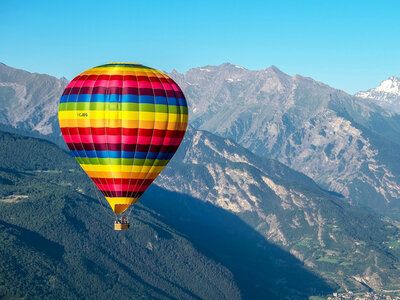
(390, 85)
(386, 94)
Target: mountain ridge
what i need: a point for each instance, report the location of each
(307, 125)
(285, 206)
(386, 95)
(31, 100)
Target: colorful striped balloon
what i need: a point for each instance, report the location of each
(123, 123)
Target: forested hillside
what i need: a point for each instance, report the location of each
(57, 240)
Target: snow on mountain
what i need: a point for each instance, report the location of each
(387, 94)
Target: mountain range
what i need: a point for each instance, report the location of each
(342, 243)
(279, 156)
(346, 144)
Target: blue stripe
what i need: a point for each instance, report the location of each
(161, 100)
(130, 99)
(125, 99)
(121, 154)
(182, 102)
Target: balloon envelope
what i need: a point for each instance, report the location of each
(123, 123)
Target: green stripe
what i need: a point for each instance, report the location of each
(138, 66)
(122, 161)
(146, 107)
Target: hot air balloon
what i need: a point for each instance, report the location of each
(123, 122)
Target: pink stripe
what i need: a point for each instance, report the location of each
(100, 139)
(157, 85)
(116, 139)
(130, 83)
(118, 83)
(167, 87)
(85, 83)
(129, 139)
(115, 83)
(175, 87)
(143, 140)
(123, 187)
(81, 139)
(145, 84)
(172, 141)
(101, 82)
(157, 140)
(110, 139)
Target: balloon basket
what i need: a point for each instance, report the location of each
(121, 226)
(121, 223)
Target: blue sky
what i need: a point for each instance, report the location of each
(351, 45)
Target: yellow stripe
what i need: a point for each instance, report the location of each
(121, 200)
(119, 71)
(101, 123)
(132, 175)
(120, 168)
(120, 204)
(125, 115)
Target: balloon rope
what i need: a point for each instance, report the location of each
(105, 132)
(151, 139)
(178, 124)
(69, 132)
(137, 138)
(121, 120)
(101, 202)
(95, 151)
(159, 154)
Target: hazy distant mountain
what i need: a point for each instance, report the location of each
(387, 94)
(29, 101)
(340, 242)
(346, 144)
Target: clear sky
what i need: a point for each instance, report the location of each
(350, 45)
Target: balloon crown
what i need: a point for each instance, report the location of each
(123, 63)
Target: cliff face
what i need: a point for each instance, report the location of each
(346, 144)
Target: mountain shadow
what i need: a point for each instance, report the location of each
(33, 240)
(261, 270)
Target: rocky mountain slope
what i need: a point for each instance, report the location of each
(387, 94)
(342, 243)
(346, 144)
(29, 101)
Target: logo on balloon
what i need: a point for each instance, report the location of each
(82, 114)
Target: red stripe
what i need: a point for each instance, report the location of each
(121, 194)
(131, 188)
(118, 130)
(123, 147)
(121, 91)
(157, 78)
(120, 180)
